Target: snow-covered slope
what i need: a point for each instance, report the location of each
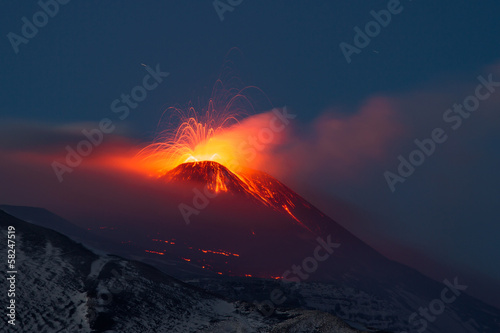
(61, 286)
(390, 308)
(367, 293)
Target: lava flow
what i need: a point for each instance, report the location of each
(255, 185)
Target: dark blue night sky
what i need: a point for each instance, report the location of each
(92, 51)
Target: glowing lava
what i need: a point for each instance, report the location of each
(197, 138)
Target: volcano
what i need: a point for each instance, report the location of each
(252, 238)
(278, 234)
(269, 226)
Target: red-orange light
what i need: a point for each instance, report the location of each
(160, 253)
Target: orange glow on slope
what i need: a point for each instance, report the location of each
(224, 253)
(285, 207)
(160, 253)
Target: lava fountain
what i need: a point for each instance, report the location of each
(195, 139)
(198, 136)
